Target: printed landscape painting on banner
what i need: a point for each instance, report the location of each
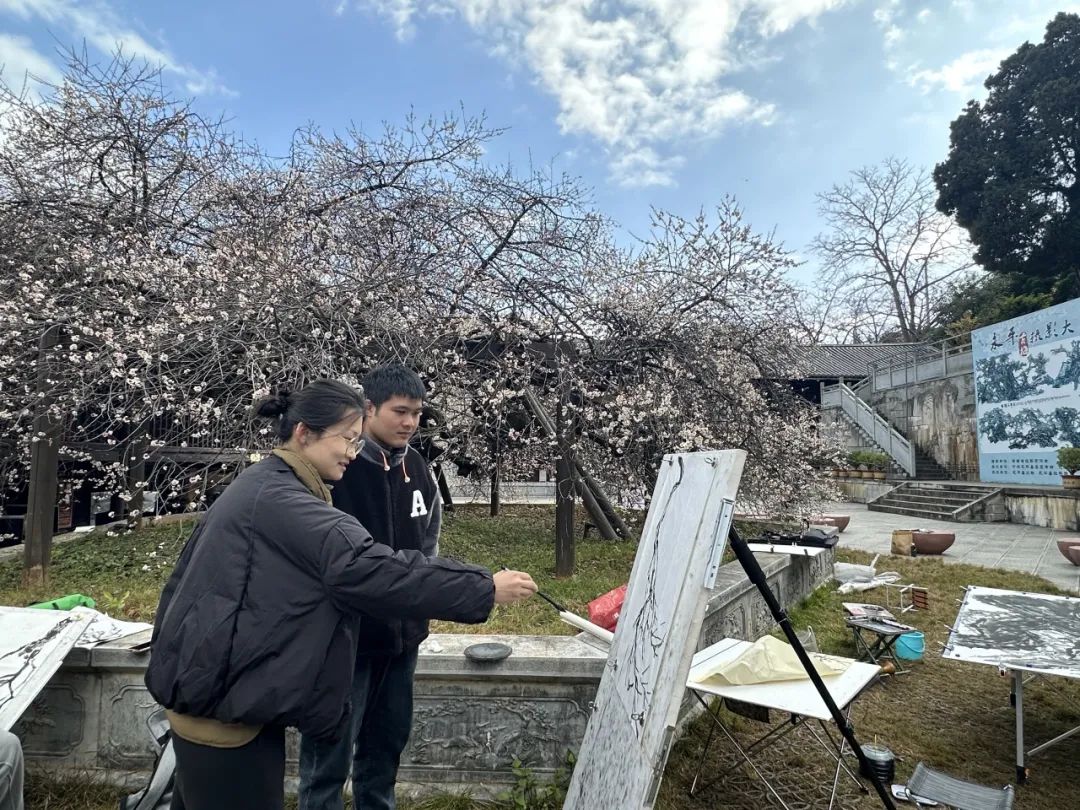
(1027, 394)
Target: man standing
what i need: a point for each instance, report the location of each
(11, 772)
(390, 490)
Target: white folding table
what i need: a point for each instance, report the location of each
(799, 699)
(1024, 635)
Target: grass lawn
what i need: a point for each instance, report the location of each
(125, 573)
(953, 716)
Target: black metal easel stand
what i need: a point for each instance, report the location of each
(757, 577)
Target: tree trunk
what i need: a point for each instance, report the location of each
(564, 517)
(44, 456)
(599, 519)
(444, 489)
(564, 499)
(135, 452)
(495, 491)
(605, 503)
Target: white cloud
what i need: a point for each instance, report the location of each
(399, 12)
(887, 16)
(21, 61)
(961, 44)
(998, 29)
(966, 8)
(640, 76)
(101, 27)
(22, 68)
(964, 74)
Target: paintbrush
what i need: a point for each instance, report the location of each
(574, 620)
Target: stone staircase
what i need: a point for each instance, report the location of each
(926, 468)
(923, 466)
(943, 500)
(845, 405)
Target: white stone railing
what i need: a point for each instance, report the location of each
(872, 423)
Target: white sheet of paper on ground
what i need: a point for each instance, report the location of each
(102, 628)
(767, 660)
(33, 645)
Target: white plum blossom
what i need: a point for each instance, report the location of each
(190, 274)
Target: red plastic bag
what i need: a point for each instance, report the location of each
(604, 610)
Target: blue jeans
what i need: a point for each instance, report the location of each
(11, 772)
(382, 705)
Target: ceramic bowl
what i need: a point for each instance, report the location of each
(928, 542)
(839, 521)
(1066, 544)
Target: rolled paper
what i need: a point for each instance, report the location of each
(586, 626)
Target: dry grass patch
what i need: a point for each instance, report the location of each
(951, 715)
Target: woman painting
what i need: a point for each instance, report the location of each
(256, 627)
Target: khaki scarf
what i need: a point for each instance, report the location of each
(306, 472)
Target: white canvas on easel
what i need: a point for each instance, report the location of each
(33, 645)
(631, 729)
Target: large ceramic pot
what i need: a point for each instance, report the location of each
(928, 542)
(1074, 555)
(1066, 544)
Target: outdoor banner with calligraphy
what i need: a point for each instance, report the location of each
(1027, 402)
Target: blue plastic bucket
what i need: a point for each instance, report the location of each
(910, 646)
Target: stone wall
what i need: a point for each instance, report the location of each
(939, 417)
(862, 491)
(471, 719)
(1039, 506)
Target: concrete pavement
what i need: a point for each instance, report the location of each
(1011, 546)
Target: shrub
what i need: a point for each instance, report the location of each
(870, 458)
(1069, 459)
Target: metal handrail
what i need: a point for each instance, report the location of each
(923, 361)
(874, 424)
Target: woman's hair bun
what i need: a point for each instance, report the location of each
(275, 405)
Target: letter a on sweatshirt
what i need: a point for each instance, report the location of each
(418, 506)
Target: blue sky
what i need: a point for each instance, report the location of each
(667, 103)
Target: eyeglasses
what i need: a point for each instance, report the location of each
(355, 444)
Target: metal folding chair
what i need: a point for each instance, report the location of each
(926, 783)
(875, 640)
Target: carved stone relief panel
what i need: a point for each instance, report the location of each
(478, 732)
(54, 725)
(125, 705)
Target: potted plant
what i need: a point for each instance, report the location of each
(865, 462)
(855, 464)
(868, 464)
(878, 463)
(1069, 460)
(849, 465)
